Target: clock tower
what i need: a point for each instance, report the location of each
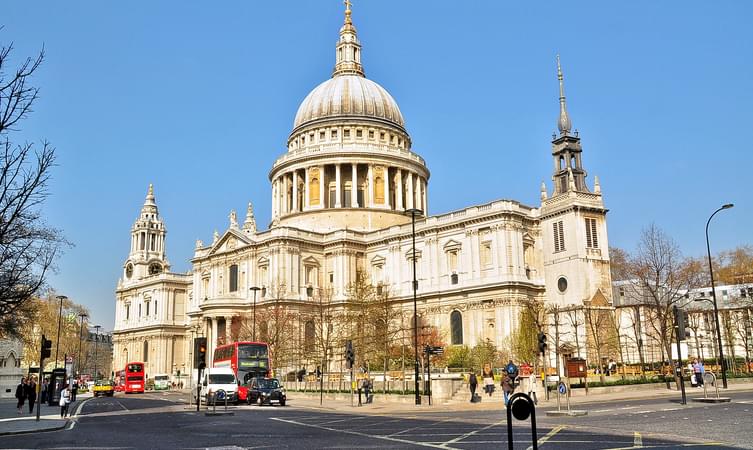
(147, 255)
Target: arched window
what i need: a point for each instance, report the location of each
(309, 336)
(456, 327)
(314, 191)
(146, 351)
(379, 190)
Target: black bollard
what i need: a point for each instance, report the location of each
(521, 406)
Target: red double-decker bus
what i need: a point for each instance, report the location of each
(134, 378)
(247, 359)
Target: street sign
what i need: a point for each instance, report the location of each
(562, 388)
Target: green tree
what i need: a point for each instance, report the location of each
(459, 356)
(484, 353)
(525, 340)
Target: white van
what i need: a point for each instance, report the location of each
(161, 382)
(216, 378)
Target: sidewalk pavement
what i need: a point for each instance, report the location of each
(49, 420)
(406, 404)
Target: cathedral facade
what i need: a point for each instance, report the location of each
(339, 199)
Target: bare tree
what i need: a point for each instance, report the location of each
(28, 246)
(659, 278)
(743, 330)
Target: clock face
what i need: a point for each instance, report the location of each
(155, 269)
(129, 270)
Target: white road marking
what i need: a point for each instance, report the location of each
(356, 433)
(467, 435)
(548, 436)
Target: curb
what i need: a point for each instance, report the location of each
(41, 428)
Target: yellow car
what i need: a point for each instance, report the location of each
(103, 387)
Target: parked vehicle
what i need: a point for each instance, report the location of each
(265, 391)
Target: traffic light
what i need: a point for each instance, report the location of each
(350, 356)
(200, 352)
(46, 347)
(542, 342)
(681, 319)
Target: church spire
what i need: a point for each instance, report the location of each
(149, 210)
(563, 123)
(249, 225)
(348, 56)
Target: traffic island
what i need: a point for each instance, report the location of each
(572, 413)
(712, 399)
(219, 413)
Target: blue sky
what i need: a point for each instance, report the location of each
(199, 97)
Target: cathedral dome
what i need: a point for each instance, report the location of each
(348, 95)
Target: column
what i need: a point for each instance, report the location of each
(321, 186)
(387, 183)
(295, 191)
(285, 184)
(399, 191)
(228, 323)
(409, 193)
(354, 186)
(370, 184)
(425, 198)
(419, 197)
(306, 189)
(274, 206)
(338, 192)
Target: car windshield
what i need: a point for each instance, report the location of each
(269, 384)
(103, 383)
(161, 377)
(221, 378)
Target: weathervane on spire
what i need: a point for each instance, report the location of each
(347, 4)
(563, 123)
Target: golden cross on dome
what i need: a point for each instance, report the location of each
(347, 4)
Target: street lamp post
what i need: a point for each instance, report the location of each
(80, 336)
(254, 288)
(96, 339)
(713, 294)
(60, 317)
(413, 212)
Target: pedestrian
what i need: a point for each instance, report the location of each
(698, 371)
(45, 386)
(532, 388)
(74, 390)
(488, 377)
(367, 388)
(65, 401)
(31, 394)
(21, 395)
(693, 379)
(507, 386)
(472, 383)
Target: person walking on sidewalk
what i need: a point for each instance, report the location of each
(472, 383)
(21, 395)
(507, 386)
(31, 394)
(65, 401)
(698, 372)
(488, 377)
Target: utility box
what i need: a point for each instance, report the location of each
(576, 368)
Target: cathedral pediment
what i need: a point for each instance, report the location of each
(229, 241)
(452, 245)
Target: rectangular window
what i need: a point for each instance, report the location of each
(139, 310)
(347, 198)
(381, 136)
(128, 312)
(486, 253)
(233, 278)
(331, 277)
(147, 308)
(333, 134)
(346, 133)
(371, 134)
(452, 260)
(559, 236)
(155, 307)
(332, 197)
(321, 135)
(592, 236)
(359, 133)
